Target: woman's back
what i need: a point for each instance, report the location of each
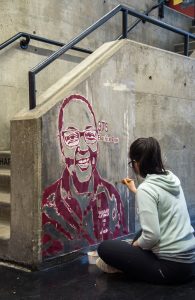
(164, 218)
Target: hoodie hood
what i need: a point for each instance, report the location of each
(169, 182)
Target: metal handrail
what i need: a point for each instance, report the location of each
(120, 8)
(160, 6)
(28, 37)
(71, 45)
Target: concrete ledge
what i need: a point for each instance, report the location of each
(74, 77)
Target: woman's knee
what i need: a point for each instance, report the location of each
(104, 247)
(111, 248)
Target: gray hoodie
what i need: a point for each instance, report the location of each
(164, 218)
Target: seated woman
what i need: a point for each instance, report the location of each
(164, 253)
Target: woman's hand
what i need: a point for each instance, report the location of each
(135, 244)
(130, 184)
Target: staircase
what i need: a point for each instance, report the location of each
(4, 195)
(179, 48)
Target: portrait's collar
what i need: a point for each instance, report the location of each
(89, 185)
(68, 188)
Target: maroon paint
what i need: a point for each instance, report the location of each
(63, 218)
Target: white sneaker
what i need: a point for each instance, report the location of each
(106, 268)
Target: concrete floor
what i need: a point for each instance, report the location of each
(79, 280)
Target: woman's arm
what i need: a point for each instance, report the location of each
(148, 217)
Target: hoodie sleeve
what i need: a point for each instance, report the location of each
(148, 217)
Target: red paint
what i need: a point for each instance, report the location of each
(188, 10)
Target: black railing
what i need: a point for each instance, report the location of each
(120, 8)
(25, 42)
(71, 45)
(160, 7)
(193, 22)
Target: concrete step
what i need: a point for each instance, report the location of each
(5, 176)
(4, 230)
(5, 208)
(180, 47)
(5, 159)
(182, 53)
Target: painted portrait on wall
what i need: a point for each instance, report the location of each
(81, 208)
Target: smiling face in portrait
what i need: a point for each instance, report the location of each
(79, 139)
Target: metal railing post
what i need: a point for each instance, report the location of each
(186, 45)
(124, 28)
(32, 91)
(161, 10)
(193, 22)
(141, 20)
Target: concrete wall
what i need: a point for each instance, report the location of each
(24, 244)
(61, 20)
(154, 87)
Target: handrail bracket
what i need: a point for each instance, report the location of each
(24, 43)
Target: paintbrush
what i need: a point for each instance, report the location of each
(128, 180)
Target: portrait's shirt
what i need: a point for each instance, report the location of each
(81, 219)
